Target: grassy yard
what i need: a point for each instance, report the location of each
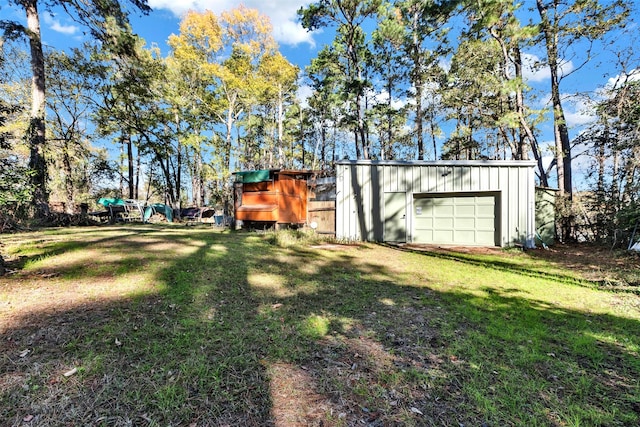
(174, 326)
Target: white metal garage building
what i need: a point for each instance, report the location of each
(482, 203)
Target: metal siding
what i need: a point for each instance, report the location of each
(445, 175)
(513, 205)
(455, 179)
(474, 178)
(433, 179)
(388, 186)
(361, 202)
(393, 178)
(531, 208)
(524, 206)
(427, 179)
(377, 197)
(494, 178)
(501, 176)
(367, 186)
(462, 181)
(364, 184)
(359, 210)
(416, 185)
(340, 210)
(545, 199)
(346, 204)
(395, 217)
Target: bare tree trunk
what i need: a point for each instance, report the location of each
(178, 175)
(418, 119)
(524, 125)
(302, 137)
(281, 155)
(360, 131)
(136, 187)
(525, 128)
(36, 131)
(228, 139)
(358, 149)
(561, 132)
(386, 151)
(601, 193)
(68, 180)
(523, 153)
(323, 147)
(121, 166)
(130, 167)
(200, 179)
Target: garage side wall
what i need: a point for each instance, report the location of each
(363, 186)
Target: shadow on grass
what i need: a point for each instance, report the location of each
(244, 333)
(49, 247)
(502, 264)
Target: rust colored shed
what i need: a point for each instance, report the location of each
(273, 196)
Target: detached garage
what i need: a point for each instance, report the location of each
(479, 203)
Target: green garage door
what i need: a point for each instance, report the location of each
(455, 219)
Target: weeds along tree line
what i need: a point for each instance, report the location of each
(404, 79)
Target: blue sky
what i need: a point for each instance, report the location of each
(300, 46)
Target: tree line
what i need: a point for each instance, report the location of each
(403, 79)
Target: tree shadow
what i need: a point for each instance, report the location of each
(49, 247)
(503, 264)
(241, 332)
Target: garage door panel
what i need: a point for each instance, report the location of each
(485, 210)
(465, 224)
(464, 236)
(485, 224)
(456, 219)
(485, 236)
(424, 223)
(465, 210)
(443, 223)
(443, 210)
(442, 236)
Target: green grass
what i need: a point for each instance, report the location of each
(180, 326)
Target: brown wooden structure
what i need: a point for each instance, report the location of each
(271, 197)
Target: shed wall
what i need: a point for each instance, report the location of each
(361, 187)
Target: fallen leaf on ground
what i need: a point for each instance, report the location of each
(70, 372)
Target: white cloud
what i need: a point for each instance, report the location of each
(56, 26)
(383, 98)
(578, 117)
(283, 14)
(535, 71)
(445, 64)
(304, 92)
(620, 79)
(578, 110)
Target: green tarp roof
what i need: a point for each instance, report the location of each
(106, 202)
(253, 176)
